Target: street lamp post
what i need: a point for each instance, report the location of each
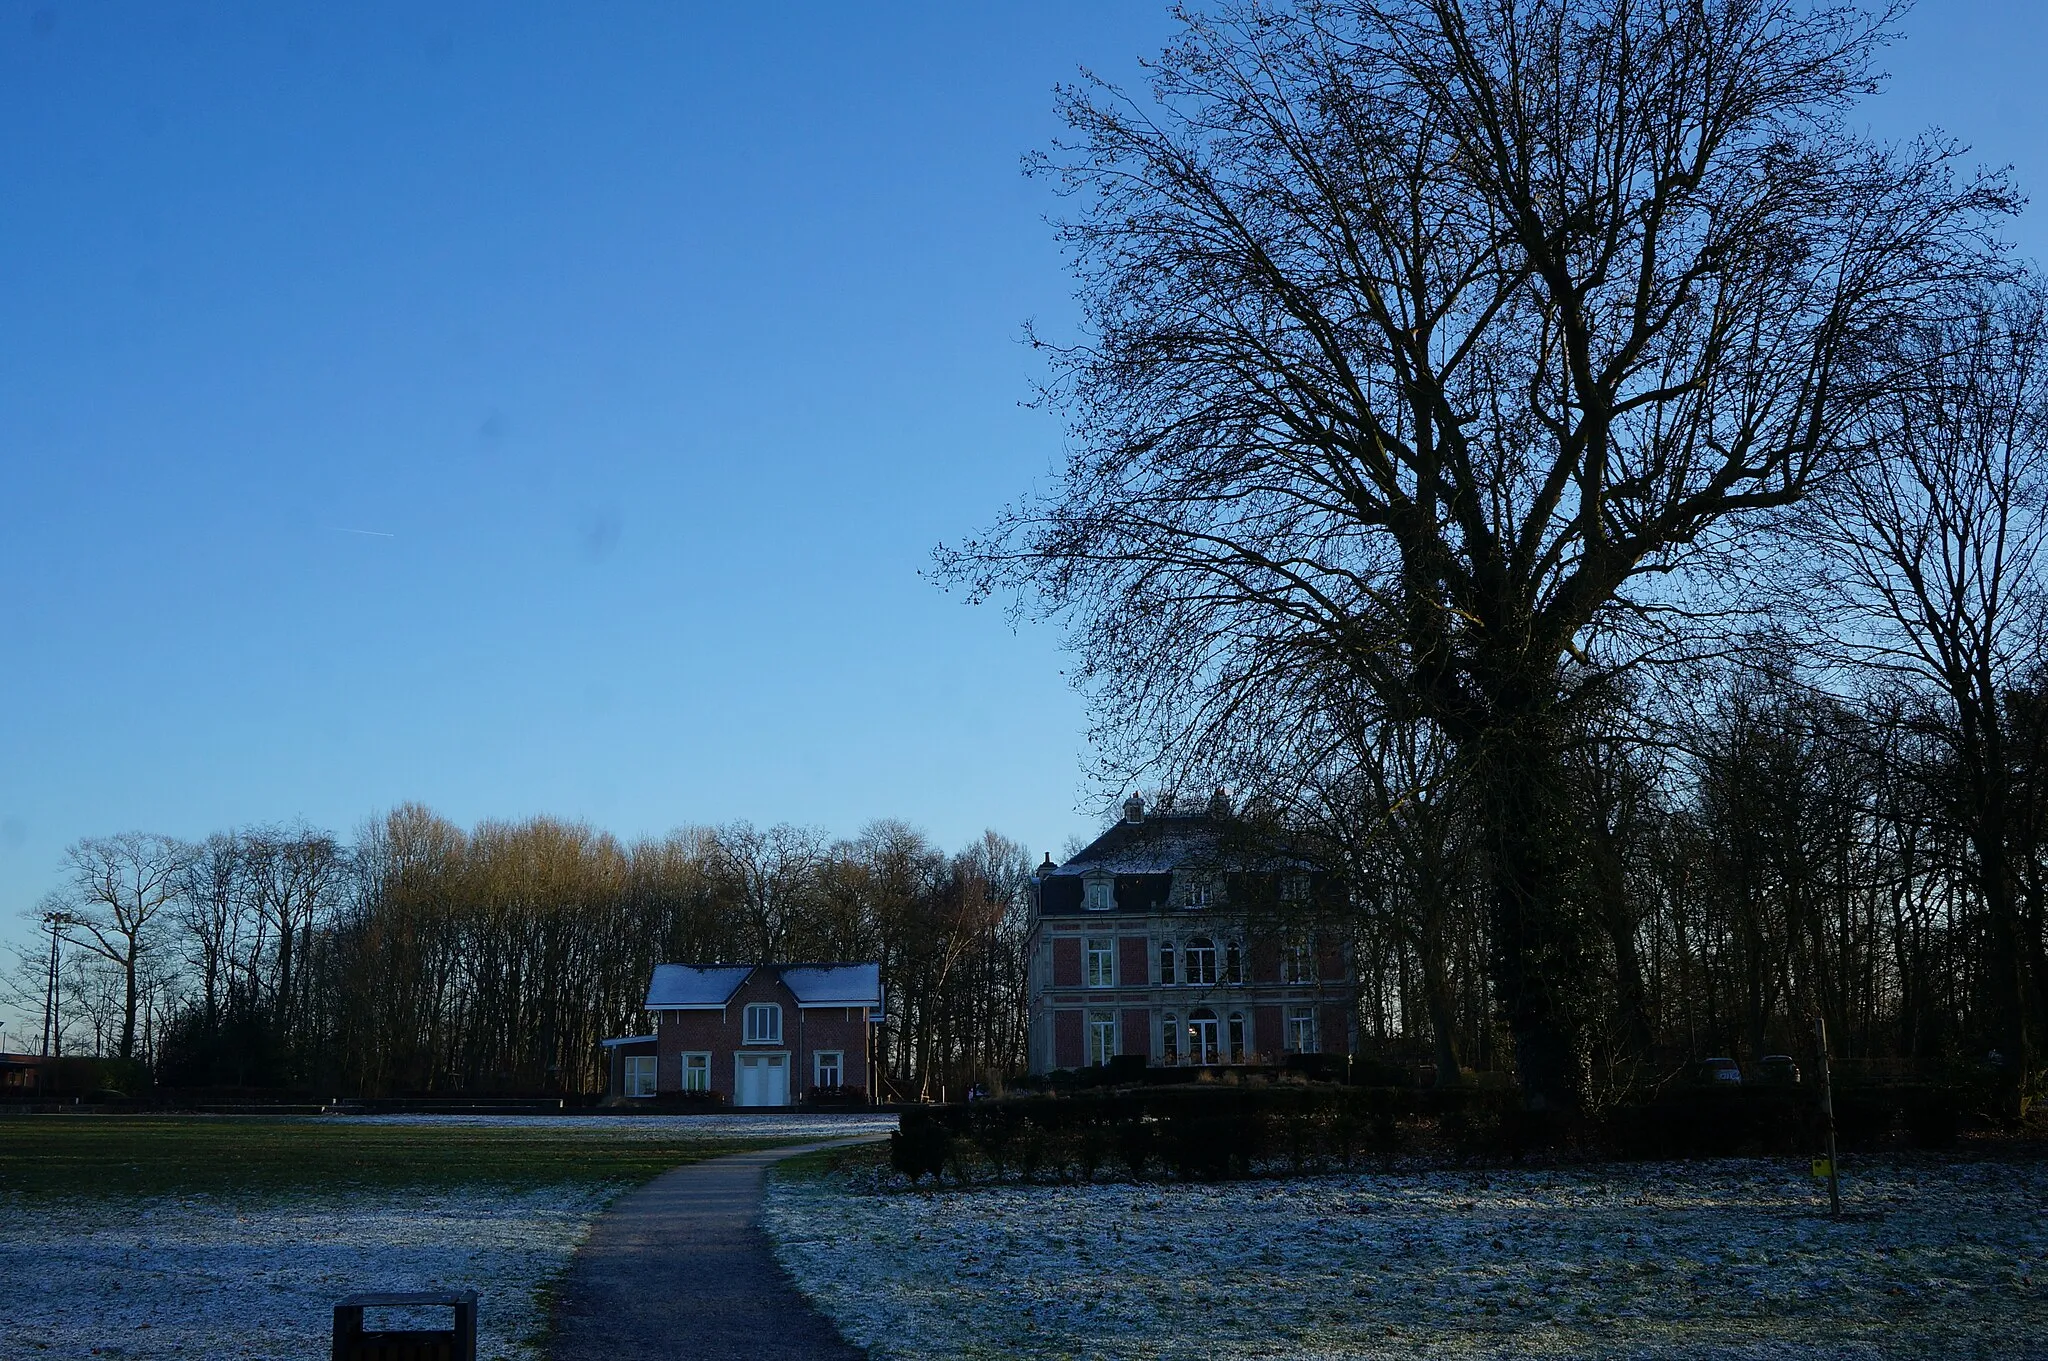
(56, 922)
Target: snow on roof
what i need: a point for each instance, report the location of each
(627, 1039)
(700, 987)
(834, 985)
(1162, 843)
(685, 987)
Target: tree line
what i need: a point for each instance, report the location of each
(420, 957)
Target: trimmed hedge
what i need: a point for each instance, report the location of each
(1210, 1132)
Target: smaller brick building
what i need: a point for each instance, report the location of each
(757, 1035)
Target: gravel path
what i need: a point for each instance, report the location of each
(681, 1268)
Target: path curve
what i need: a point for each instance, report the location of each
(681, 1268)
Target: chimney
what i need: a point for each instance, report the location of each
(1048, 867)
(1134, 809)
(1219, 803)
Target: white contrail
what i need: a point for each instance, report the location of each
(369, 533)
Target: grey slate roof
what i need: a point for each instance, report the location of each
(708, 987)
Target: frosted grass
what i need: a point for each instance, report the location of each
(1727, 1259)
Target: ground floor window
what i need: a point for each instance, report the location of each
(1301, 1029)
(640, 1074)
(1235, 1033)
(696, 1072)
(1169, 1038)
(1202, 1036)
(830, 1066)
(1101, 1038)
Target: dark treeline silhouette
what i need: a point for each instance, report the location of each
(424, 958)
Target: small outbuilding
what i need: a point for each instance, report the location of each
(762, 1035)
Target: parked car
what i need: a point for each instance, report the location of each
(1778, 1069)
(1716, 1072)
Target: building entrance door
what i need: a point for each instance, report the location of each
(763, 1080)
(1202, 1037)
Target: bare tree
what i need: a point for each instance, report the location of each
(1426, 342)
(115, 889)
(1934, 549)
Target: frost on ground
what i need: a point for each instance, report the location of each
(1728, 1259)
(194, 1276)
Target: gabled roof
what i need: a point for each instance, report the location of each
(708, 987)
(1159, 844)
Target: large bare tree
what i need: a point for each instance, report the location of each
(1426, 340)
(116, 887)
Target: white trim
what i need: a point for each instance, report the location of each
(645, 1067)
(683, 1070)
(627, 1039)
(741, 1054)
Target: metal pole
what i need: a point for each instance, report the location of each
(55, 921)
(1827, 1110)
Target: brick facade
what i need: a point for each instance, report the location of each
(719, 1032)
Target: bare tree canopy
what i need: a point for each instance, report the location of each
(1426, 340)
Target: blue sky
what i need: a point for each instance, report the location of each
(536, 408)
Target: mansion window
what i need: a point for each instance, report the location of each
(1166, 961)
(1199, 895)
(1301, 1030)
(640, 1074)
(1101, 1038)
(1201, 961)
(1233, 963)
(1099, 895)
(1202, 1037)
(697, 1072)
(1100, 958)
(1234, 1034)
(1169, 1038)
(1298, 962)
(829, 1067)
(764, 1023)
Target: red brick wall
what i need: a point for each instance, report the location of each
(1268, 1037)
(1067, 1049)
(1133, 964)
(1066, 962)
(1329, 959)
(1264, 964)
(1333, 1031)
(1137, 1027)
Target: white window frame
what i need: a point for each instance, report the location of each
(1232, 972)
(1098, 962)
(694, 1070)
(1101, 1038)
(1099, 895)
(1298, 961)
(1236, 1037)
(639, 1074)
(1198, 895)
(762, 1023)
(1198, 965)
(1301, 1030)
(1166, 963)
(1169, 1038)
(1204, 1038)
(834, 1059)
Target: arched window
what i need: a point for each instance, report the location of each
(1201, 960)
(1202, 1037)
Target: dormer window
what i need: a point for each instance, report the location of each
(1198, 896)
(764, 1023)
(1099, 895)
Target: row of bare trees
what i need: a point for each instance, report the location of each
(426, 958)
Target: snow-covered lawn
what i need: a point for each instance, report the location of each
(1727, 1259)
(193, 1276)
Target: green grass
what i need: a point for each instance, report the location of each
(128, 1156)
(828, 1161)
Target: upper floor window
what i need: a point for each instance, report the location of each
(1298, 962)
(1166, 961)
(1198, 895)
(1201, 960)
(1100, 961)
(1233, 963)
(1294, 888)
(764, 1023)
(1099, 895)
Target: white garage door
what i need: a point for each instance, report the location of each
(763, 1080)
